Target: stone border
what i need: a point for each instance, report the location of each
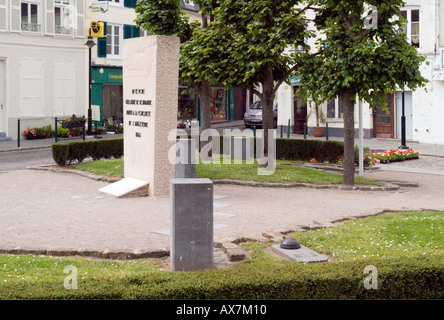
(124, 254)
(229, 246)
(386, 186)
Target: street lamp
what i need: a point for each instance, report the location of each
(403, 146)
(90, 43)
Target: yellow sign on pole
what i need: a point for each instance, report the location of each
(97, 29)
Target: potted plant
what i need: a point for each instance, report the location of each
(320, 117)
(73, 122)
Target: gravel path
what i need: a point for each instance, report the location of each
(46, 211)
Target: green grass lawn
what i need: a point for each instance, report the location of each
(406, 248)
(244, 172)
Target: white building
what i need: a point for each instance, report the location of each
(423, 108)
(107, 55)
(42, 62)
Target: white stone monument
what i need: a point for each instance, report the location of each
(150, 89)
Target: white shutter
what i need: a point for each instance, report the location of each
(64, 88)
(3, 16)
(31, 87)
(49, 17)
(80, 28)
(15, 17)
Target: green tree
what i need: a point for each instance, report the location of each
(252, 44)
(165, 17)
(359, 61)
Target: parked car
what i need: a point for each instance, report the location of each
(253, 116)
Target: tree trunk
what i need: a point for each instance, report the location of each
(203, 91)
(349, 139)
(267, 107)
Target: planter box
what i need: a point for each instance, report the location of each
(72, 124)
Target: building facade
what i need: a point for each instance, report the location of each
(423, 108)
(42, 62)
(44, 67)
(106, 69)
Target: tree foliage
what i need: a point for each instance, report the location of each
(252, 44)
(163, 17)
(359, 62)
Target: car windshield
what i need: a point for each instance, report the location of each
(256, 105)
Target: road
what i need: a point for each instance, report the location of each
(20, 159)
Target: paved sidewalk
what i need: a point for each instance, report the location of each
(48, 212)
(43, 143)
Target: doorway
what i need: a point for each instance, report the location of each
(2, 95)
(112, 102)
(383, 121)
(408, 114)
(300, 114)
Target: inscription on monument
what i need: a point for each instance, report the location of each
(138, 117)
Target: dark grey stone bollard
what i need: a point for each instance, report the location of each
(186, 153)
(241, 148)
(191, 224)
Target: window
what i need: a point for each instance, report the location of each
(412, 27)
(218, 104)
(63, 17)
(30, 18)
(113, 40)
(117, 2)
(334, 109)
(189, 5)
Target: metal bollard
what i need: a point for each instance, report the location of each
(55, 130)
(288, 129)
(18, 133)
(254, 141)
(326, 130)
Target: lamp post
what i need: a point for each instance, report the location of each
(403, 146)
(90, 43)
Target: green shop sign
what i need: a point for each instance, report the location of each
(295, 80)
(106, 75)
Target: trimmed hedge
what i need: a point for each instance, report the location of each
(67, 152)
(299, 149)
(305, 150)
(286, 149)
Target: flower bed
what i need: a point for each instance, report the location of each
(39, 133)
(386, 156)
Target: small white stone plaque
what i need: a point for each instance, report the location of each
(123, 187)
(303, 254)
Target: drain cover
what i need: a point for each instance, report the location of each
(290, 244)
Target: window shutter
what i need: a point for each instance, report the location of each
(101, 44)
(130, 3)
(79, 28)
(49, 18)
(3, 17)
(136, 32)
(130, 31)
(15, 18)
